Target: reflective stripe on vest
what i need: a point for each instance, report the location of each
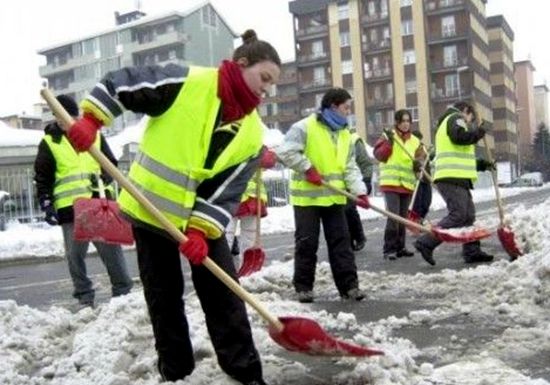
(170, 165)
(453, 160)
(73, 171)
(398, 169)
(329, 158)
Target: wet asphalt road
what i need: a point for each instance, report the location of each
(41, 285)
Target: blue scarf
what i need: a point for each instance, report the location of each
(333, 119)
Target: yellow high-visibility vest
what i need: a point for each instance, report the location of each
(398, 169)
(250, 191)
(170, 163)
(329, 159)
(453, 160)
(73, 173)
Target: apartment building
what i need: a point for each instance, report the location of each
(527, 124)
(280, 108)
(541, 105)
(392, 54)
(32, 122)
(503, 87)
(198, 36)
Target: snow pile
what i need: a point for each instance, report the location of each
(18, 137)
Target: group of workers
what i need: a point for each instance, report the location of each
(196, 160)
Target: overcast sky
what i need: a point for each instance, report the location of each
(28, 25)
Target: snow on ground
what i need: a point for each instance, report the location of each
(113, 344)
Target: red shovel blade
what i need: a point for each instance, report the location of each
(413, 217)
(506, 237)
(253, 260)
(100, 220)
(304, 335)
(460, 235)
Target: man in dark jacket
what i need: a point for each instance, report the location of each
(455, 172)
(57, 167)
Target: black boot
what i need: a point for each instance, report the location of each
(425, 252)
(480, 256)
(404, 253)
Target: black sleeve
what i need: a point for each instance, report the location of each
(44, 171)
(106, 150)
(459, 133)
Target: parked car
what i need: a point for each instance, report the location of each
(531, 179)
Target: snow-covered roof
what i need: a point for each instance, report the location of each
(18, 137)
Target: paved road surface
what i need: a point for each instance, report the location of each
(44, 284)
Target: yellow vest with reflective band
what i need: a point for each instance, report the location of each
(170, 163)
(398, 169)
(453, 160)
(73, 171)
(250, 191)
(329, 159)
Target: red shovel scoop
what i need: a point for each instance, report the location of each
(508, 242)
(303, 335)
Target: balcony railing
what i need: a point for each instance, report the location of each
(315, 83)
(380, 102)
(316, 56)
(378, 73)
(379, 16)
(377, 45)
(312, 30)
(450, 93)
(433, 5)
(446, 35)
(448, 64)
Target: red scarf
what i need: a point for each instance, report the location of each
(404, 135)
(237, 98)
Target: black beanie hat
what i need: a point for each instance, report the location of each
(68, 104)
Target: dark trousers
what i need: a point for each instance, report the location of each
(354, 222)
(340, 255)
(461, 213)
(394, 234)
(423, 199)
(226, 318)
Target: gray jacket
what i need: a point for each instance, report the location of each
(364, 161)
(291, 154)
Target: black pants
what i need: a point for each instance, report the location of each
(423, 199)
(340, 255)
(395, 232)
(461, 213)
(354, 222)
(226, 318)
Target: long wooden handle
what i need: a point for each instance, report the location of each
(257, 240)
(495, 182)
(388, 214)
(67, 121)
(416, 187)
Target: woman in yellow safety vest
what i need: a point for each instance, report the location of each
(200, 148)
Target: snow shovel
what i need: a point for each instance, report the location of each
(99, 219)
(294, 333)
(254, 257)
(444, 235)
(505, 234)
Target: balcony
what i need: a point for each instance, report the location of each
(313, 58)
(158, 41)
(441, 6)
(377, 46)
(385, 102)
(375, 19)
(447, 35)
(315, 85)
(450, 94)
(50, 69)
(378, 74)
(450, 64)
(311, 32)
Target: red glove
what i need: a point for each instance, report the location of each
(195, 248)
(313, 176)
(83, 132)
(268, 158)
(363, 201)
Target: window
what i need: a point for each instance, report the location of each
(414, 113)
(384, 8)
(318, 99)
(450, 58)
(409, 57)
(377, 93)
(347, 67)
(406, 3)
(344, 39)
(386, 33)
(373, 35)
(448, 26)
(370, 8)
(209, 16)
(378, 118)
(319, 75)
(389, 91)
(410, 86)
(406, 27)
(317, 49)
(451, 85)
(343, 11)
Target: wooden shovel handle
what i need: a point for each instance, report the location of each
(388, 214)
(67, 121)
(422, 170)
(415, 192)
(495, 182)
(258, 178)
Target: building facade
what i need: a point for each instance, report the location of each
(541, 105)
(501, 58)
(198, 36)
(393, 54)
(527, 124)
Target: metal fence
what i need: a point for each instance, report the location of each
(18, 199)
